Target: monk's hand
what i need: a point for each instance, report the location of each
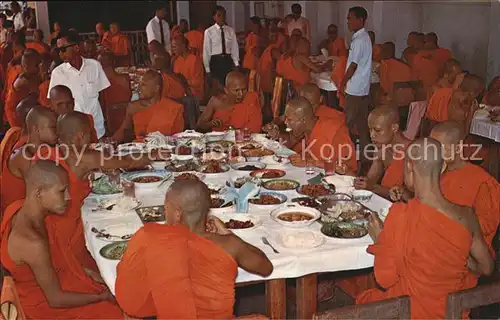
(396, 193)
(106, 295)
(375, 225)
(94, 275)
(216, 123)
(362, 183)
(215, 225)
(341, 168)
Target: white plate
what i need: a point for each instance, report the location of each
(299, 240)
(241, 217)
(339, 181)
(119, 229)
(118, 202)
(200, 176)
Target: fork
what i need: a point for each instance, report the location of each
(266, 242)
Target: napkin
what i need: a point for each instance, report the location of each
(248, 191)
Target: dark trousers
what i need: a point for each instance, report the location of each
(356, 116)
(220, 66)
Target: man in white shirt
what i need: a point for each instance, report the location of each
(159, 30)
(17, 17)
(84, 77)
(356, 83)
(299, 22)
(220, 57)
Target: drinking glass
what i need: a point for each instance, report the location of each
(238, 135)
(128, 188)
(247, 134)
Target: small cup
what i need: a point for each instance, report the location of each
(128, 188)
(329, 165)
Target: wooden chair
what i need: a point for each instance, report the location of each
(10, 306)
(482, 295)
(396, 308)
(277, 96)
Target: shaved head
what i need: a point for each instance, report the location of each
(303, 46)
(24, 107)
(431, 37)
(388, 50)
(30, 61)
(383, 124)
(448, 132)
(311, 92)
(426, 158)
(389, 115)
(451, 66)
(74, 128)
(187, 202)
(61, 100)
(151, 84)
(236, 86)
(301, 107)
(419, 41)
(41, 123)
(473, 84)
(160, 61)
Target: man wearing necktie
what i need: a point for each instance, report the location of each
(220, 48)
(158, 29)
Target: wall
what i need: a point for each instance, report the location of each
(183, 10)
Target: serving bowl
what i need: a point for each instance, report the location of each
(295, 216)
(157, 177)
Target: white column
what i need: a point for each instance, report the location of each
(183, 11)
(493, 66)
(42, 17)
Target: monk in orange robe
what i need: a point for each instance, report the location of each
(195, 39)
(253, 45)
(180, 29)
(119, 92)
(49, 280)
(376, 48)
(492, 95)
(266, 67)
(338, 74)
(103, 35)
(37, 43)
(43, 88)
(174, 86)
(201, 283)
(390, 143)
(452, 77)
(441, 55)
(236, 107)
(335, 45)
(152, 113)
(321, 139)
(120, 46)
(189, 65)
(424, 248)
(391, 69)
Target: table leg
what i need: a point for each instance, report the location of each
(276, 298)
(307, 296)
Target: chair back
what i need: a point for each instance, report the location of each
(10, 306)
(277, 96)
(395, 308)
(7, 144)
(483, 295)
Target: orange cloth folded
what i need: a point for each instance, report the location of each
(250, 59)
(425, 68)
(437, 108)
(391, 71)
(338, 74)
(166, 116)
(247, 114)
(172, 88)
(195, 39)
(393, 175)
(199, 285)
(192, 69)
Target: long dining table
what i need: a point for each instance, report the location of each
(303, 265)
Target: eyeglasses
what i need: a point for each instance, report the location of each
(64, 48)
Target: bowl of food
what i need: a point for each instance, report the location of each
(268, 200)
(218, 206)
(307, 202)
(332, 209)
(362, 195)
(183, 152)
(151, 179)
(295, 216)
(214, 136)
(220, 146)
(268, 173)
(240, 221)
(213, 167)
(281, 160)
(258, 152)
(252, 159)
(102, 186)
(314, 190)
(189, 176)
(189, 138)
(281, 184)
(182, 165)
(248, 166)
(151, 214)
(344, 230)
(114, 250)
(240, 181)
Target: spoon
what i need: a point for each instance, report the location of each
(102, 234)
(266, 242)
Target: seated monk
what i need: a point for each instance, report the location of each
(49, 282)
(151, 113)
(40, 124)
(189, 65)
(37, 43)
(425, 248)
(391, 69)
(120, 46)
(376, 48)
(441, 55)
(322, 139)
(25, 86)
(236, 107)
(387, 165)
(62, 102)
(200, 285)
(119, 92)
(44, 66)
(452, 77)
(492, 95)
(424, 66)
(266, 67)
(89, 49)
(174, 87)
(13, 71)
(466, 184)
(334, 44)
(180, 29)
(253, 45)
(195, 39)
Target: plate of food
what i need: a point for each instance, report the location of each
(281, 184)
(240, 221)
(151, 179)
(281, 160)
(314, 190)
(307, 202)
(189, 176)
(344, 230)
(182, 165)
(189, 137)
(248, 166)
(218, 205)
(260, 152)
(117, 204)
(240, 181)
(114, 251)
(299, 239)
(333, 210)
(102, 186)
(213, 167)
(220, 146)
(183, 152)
(268, 173)
(268, 200)
(151, 214)
(210, 155)
(295, 216)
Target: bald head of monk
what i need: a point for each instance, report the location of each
(18, 49)
(410, 41)
(311, 92)
(236, 86)
(423, 165)
(371, 34)
(493, 94)
(388, 50)
(30, 61)
(472, 85)
(451, 135)
(106, 59)
(452, 69)
(431, 39)
(24, 106)
(151, 85)
(187, 202)
(61, 100)
(47, 186)
(419, 41)
(333, 32)
(73, 129)
(299, 116)
(180, 45)
(26, 84)
(383, 123)
(41, 125)
(303, 47)
(161, 62)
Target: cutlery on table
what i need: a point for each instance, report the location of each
(103, 234)
(266, 242)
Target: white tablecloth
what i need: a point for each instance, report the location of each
(482, 126)
(334, 255)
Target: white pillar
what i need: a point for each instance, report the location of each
(42, 17)
(493, 66)
(183, 11)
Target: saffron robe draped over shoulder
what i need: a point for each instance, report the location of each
(192, 69)
(44, 92)
(337, 48)
(199, 285)
(265, 69)
(392, 71)
(250, 59)
(247, 114)
(12, 187)
(165, 116)
(172, 88)
(195, 39)
(420, 253)
(338, 74)
(437, 108)
(425, 68)
(286, 69)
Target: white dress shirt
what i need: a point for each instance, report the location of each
(360, 52)
(212, 44)
(18, 21)
(302, 24)
(85, 85)
(153, 32)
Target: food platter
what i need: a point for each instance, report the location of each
(213, 167)
(344, 230)
(102, 186)
(240, 221)
(307, 202)
(268, 173)
(281, 184)
(248, 166)
(268, 200)
(314, 190)
(295, 216)
(151, 214)
(114, 250)
(299, 240)
(148, 179)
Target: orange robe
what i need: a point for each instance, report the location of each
(425, 68)
(118, 92)
(337, 48)
(420, 253)
(71, 277)
(338, 74)
(120, 45)
(199, 285)
(330, 113)
(192, 69)
(393, 174)
(286, 69)
(377, 52)
(441, 55)
(12, 74)
(166, 116)
(13, 99)
(39, 47)
(172, 88)
(175, 32)
(44, 91)
(7, 144)
(437, 108)
(12, 188)
(247, 114)
(250, 59)
(329, 139)
(106, 40)
(195, 39)
(265, 69)
(391, 71)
